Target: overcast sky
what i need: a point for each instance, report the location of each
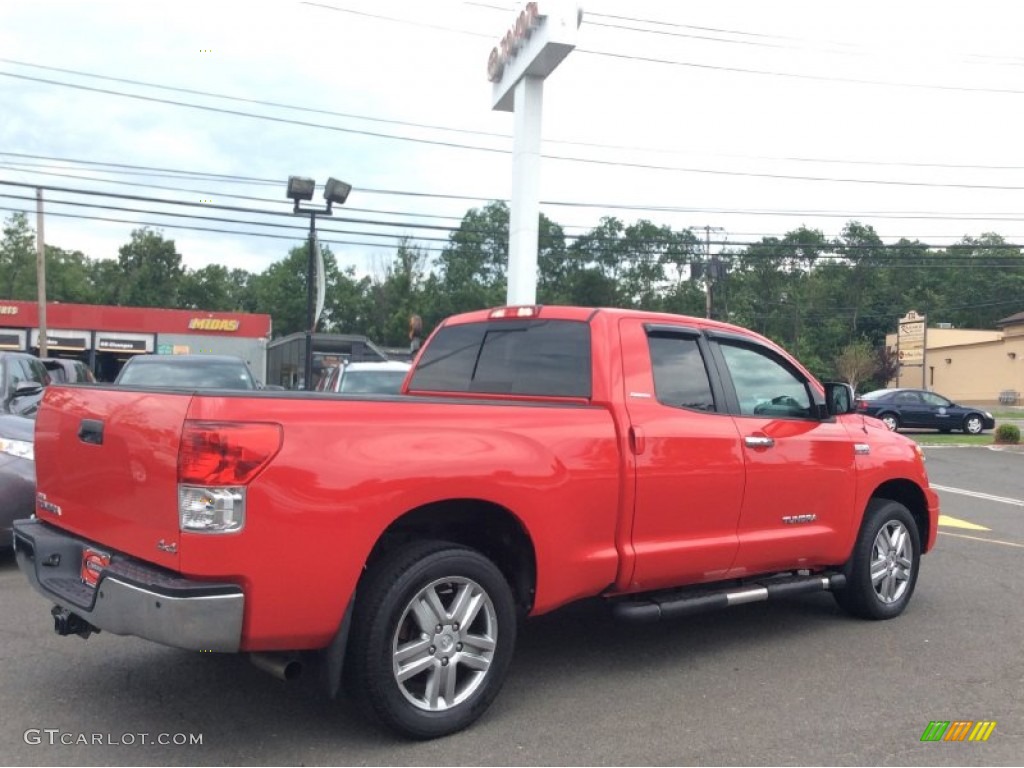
(752, 116)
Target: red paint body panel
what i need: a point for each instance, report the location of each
(349, 468)
(121, 494)
(617, 494)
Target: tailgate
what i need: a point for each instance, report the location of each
(106, 463)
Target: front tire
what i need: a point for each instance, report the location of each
(882, 570)
(973, 424)
(433, 634)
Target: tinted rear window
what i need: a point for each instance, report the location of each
(372, 382)
(509, 357)
(202, 375)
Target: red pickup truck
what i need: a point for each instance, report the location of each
(537, 455)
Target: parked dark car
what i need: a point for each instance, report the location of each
(63, 371)
(22, 378)
(920, 409)
(17, 473)
(187, 372)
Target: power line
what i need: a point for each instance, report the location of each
(205, 229)
(837, 46)
(798, 75)
(656, 208)
(411, 214)
(505, 136)
(455, 145)
(826, 250)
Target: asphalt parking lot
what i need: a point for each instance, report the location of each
(793, 682)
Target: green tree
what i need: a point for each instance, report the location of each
(472, 265)
(18, 259)
(857, 363)
(213, 287)
(151, 271)
(69, 276)
(395, 294)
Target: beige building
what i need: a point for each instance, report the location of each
(967, 366)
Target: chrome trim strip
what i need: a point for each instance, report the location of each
(755, 595)
(208, 623)
(861, 449)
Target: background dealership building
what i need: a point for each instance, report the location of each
(104, 337)
(970, 366)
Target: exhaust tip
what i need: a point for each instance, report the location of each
(281, 666)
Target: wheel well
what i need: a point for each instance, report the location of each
(488, 528)
(911, 496)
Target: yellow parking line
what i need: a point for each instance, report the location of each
(979, 538)
(956, 522)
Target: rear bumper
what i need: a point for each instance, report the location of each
(132, 597)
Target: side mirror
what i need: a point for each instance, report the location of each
(27, 388)
(839, 398)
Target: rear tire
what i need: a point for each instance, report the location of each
(882, 570)
(433, 634)
(891, 421)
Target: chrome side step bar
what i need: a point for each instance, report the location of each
(670, 605)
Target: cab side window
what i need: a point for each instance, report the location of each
(680, 376)
(764, 386)
(937, 401)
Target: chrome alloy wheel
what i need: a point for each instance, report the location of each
(892, 559)
(973, 425)
(444, 643)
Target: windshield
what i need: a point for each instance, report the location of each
(372, 382)
(199, 374)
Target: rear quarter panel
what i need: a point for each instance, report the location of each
(348, 468)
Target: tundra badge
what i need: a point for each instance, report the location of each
(47, 506)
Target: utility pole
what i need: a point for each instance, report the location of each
(41, 273)
(710, 271)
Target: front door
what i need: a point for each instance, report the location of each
(801, 476)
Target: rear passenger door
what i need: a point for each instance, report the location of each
(912, 410)
(688, 457)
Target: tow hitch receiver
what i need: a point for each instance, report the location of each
(67, 623)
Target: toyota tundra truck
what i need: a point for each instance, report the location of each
(536, 455)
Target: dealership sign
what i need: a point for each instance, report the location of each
(513, 40)
(542, 34)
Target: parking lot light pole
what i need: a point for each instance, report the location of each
(301, 189)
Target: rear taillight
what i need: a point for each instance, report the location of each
(233, 453)
(215, 462)
(862, 405)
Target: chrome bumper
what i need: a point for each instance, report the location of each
(132, 597)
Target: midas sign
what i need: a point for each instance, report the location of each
(511, 42)
(212, 324)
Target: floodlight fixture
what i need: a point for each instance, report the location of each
(300, 188)
(336, 191)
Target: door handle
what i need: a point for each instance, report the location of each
(91, 431)
(758, 441)
(636, 440)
